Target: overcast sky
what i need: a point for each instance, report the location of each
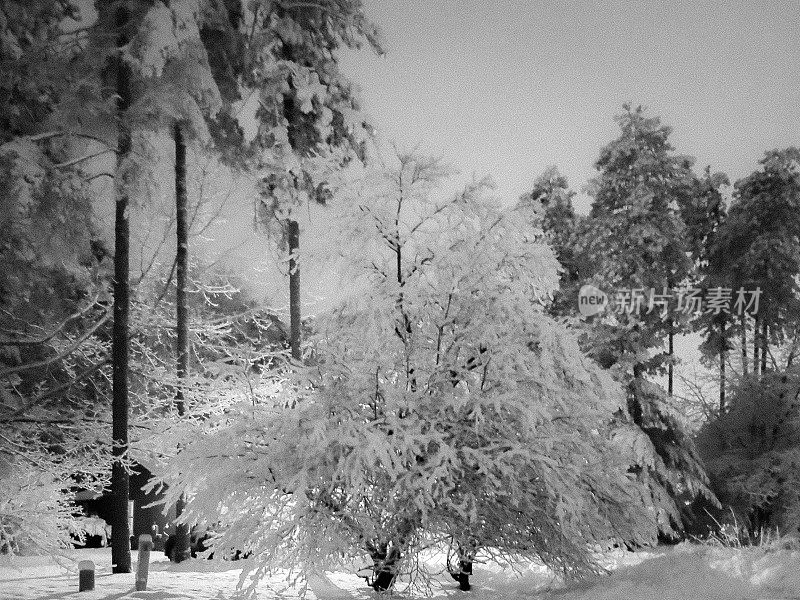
(509, 87)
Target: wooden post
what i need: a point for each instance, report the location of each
(145, 545)
(85, 576)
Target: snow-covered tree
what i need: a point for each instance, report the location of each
(52, 291)
(635, 239)
(76, 96)
(309, 118)
(154, 56)
(751, 447)
(751, 452)
(183, 97)
(703, 213)
(552, 197)
(758, 242)
(446, 406)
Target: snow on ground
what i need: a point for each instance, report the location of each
(696, 573)
(681, 573)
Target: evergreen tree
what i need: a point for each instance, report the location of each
(163, 83)
(759, 243)
(636, 243)
(551, 201)
(751, 446)
(704, 213)
(117, 19)
(309, 118)
(52, 280)
(182, 346)
(751, 451)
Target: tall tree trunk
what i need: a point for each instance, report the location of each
(670, 347)
(792, 351)
(294, 289)
(671, 351)
(120, 484)
(634, 402)
(756, 338)
(745, 366)
(764, 345)
(722, 369)
(182, 550)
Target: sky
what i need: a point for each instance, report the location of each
(509, 87)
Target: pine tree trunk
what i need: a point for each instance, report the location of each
(294, 289)
(792, 352)
(669, 366)
(182, 550)
(120, 484)
(634, 402)
(756, 338)
(722, 370)
(745, 366)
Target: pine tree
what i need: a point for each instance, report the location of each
(704, 214)
(182, 551)
(309, 118)
(750, 447)
(635, 239)
(752, 450)
(52, 278)
(120, 540)
(152, 55)
(551, 199)
(757, 243)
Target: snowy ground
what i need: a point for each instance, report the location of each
(680, 573)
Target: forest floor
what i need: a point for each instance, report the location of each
(684, 572)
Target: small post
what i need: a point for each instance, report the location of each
(85, 576)
(145, 546)
(156, 533)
